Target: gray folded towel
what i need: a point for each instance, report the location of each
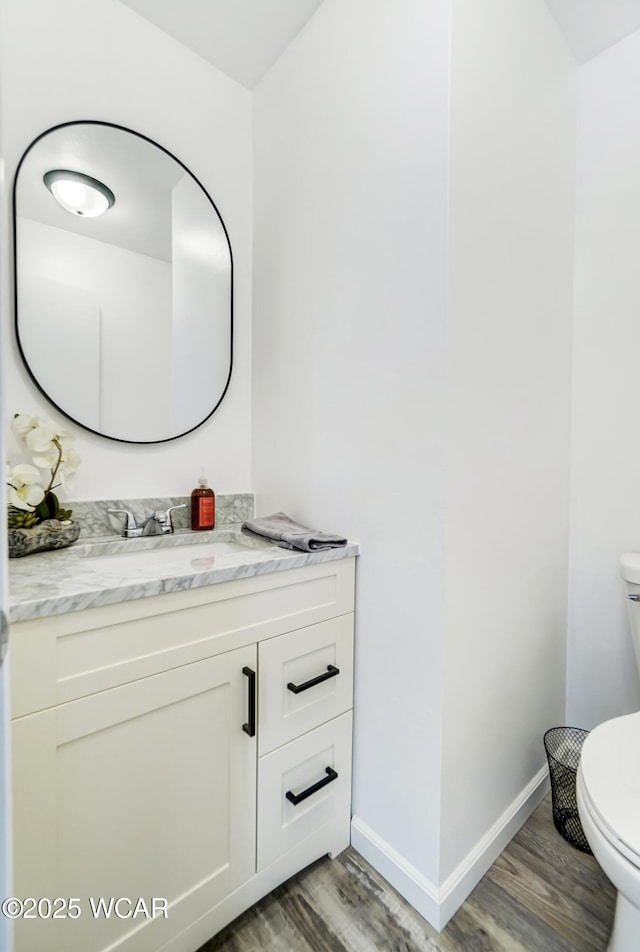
(292, 535)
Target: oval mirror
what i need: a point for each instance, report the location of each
(123, 283)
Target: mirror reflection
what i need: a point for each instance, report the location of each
(123, 283)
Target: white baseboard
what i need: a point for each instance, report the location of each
(438, 903)
(419, 891)
(470, 871)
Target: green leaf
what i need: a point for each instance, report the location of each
(52, 505)
(43, 510)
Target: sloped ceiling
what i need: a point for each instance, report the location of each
(243, 38)
(591, 26)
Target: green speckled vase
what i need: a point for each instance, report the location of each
(49, 534)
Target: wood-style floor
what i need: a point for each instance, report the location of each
(541, 895)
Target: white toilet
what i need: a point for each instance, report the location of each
(608, 793)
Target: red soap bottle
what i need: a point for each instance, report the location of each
(202, 506)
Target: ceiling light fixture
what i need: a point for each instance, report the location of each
(78, 193)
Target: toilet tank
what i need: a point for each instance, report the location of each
(630, 571)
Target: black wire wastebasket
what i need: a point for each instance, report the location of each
(563, 746)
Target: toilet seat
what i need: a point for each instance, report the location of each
(610, 782)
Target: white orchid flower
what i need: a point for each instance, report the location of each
(46, 461)
(22, 423)
(39, 432)
(48, 443)
(24, 474)
(24, 489)
(70, 459)
(65, 475)
(40, 438)
(67, 482)
(34, 430)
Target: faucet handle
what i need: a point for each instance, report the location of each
(167, 514)
(182, 505)
(131, 530)
(162, 518)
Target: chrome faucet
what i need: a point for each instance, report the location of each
(131, 530)
(159, 522)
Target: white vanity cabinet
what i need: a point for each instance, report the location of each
(193, 747)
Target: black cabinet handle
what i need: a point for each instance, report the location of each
(250, 727)
(331, 672)
(297, 798)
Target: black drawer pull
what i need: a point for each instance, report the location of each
(297, 798)
(331, 672)
(250, 727)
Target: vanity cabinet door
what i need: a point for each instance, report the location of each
(146, 790)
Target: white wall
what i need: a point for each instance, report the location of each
(436, 432)
(512, 183)
(350, 273)
(605, 515)
(64, 60)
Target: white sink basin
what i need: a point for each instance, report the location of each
(151, 563)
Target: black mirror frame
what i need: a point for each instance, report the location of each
(112, 125)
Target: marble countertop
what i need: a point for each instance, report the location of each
(102, 572)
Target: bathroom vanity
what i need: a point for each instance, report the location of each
(189, 745)
(182, 707)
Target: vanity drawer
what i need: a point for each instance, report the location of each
(68, 656)
(305, 678)
(315, 770)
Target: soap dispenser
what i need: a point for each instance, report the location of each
(202, 506)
